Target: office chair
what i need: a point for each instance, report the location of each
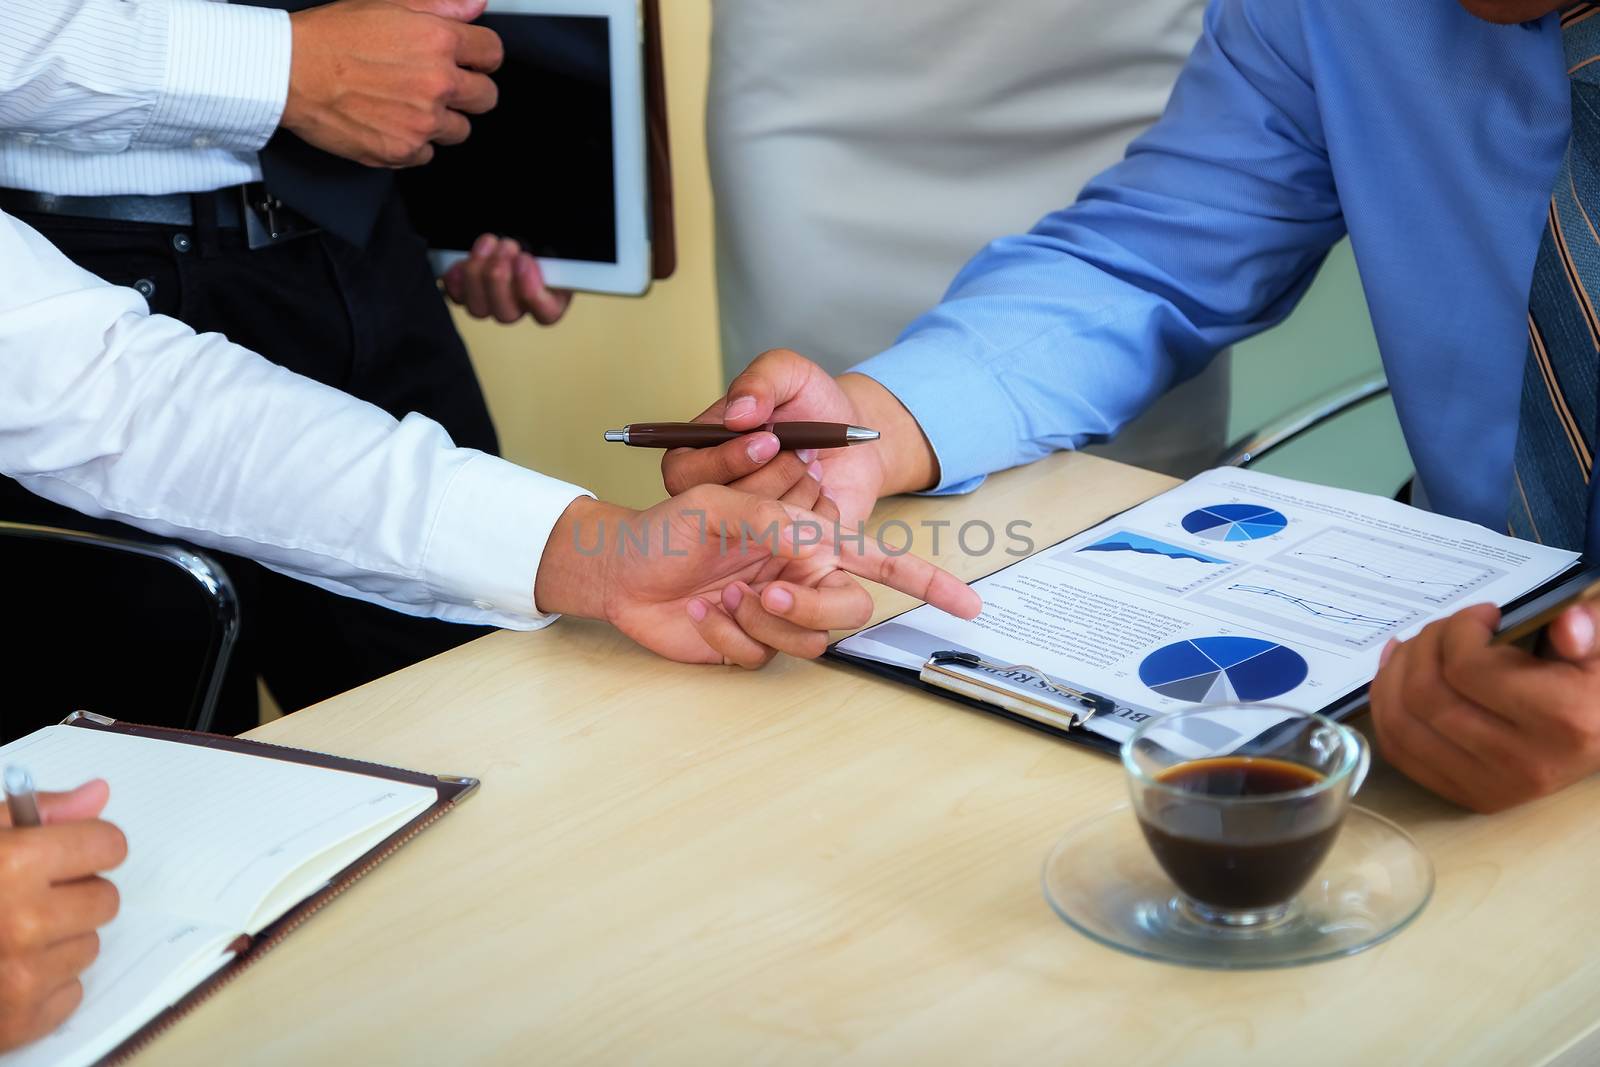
(1255, 446)
(61, 657)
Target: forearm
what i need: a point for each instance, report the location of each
(109, 75)
(1202, 236)
(121, 414)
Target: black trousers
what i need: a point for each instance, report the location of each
(368, 321)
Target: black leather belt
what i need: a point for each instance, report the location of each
(249, 208)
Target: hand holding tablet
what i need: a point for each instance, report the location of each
(559, 166)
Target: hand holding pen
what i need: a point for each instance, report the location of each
(52, 900)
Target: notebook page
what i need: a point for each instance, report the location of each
(211, 833)
(148, 961)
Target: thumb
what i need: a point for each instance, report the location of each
(460, 10)
(84, 802)
(773, 379)
(1573, 635)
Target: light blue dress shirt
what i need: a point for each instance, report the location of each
(1431, 137)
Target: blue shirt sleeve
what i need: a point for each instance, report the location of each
(1207, 232)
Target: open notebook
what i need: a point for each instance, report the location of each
(231, 844)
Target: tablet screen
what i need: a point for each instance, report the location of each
(539, 166)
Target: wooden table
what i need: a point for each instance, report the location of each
(689, 865)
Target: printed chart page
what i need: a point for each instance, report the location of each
(1234, 587)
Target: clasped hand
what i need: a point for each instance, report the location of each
(715, 575)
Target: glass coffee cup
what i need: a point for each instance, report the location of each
(1242, 849)
(1241, 830)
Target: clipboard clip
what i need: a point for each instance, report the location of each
(949, 670)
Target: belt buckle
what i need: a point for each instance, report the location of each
(267, 221)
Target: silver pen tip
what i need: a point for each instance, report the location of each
(18, 782)
(853, 434)
(620, 436)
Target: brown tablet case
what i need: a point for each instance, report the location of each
(658, 149)
(451, 788)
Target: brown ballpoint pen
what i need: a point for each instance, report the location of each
(791, 435)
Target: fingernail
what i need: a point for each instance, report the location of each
(697, 610)
(815, 470)
(741, 406)
(807, 454)
(1388, 650)
(732, 597)
(778, 598)
(483, 246)
(1581, 625)
(763, 446)
(525, 266)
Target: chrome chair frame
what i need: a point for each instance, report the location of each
(206, 574)
(1352, 394)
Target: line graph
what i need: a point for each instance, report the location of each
(1370, 562)
(1357, 565)
(1331, 612)
(1145, 561)
(1281, 602)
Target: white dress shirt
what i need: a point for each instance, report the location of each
(116, 412)
(101, 97)
(862, 152)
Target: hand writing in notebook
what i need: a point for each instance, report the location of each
(52, 901)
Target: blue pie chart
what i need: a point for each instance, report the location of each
(1223, 670)
(1235, 522)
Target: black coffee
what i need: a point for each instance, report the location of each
(1258, 860)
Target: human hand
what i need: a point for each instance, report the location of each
(499, 279)
(382, 82)
(51, 903)
(1491, 726)
(783, 386)
(661, 576)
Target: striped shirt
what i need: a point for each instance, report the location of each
(103, 97)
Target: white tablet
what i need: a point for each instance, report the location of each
(560, 163)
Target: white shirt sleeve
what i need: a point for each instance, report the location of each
(109, 75)
(116, 412)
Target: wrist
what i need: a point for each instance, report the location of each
(302, 29)
(572, 577)
(904, 455)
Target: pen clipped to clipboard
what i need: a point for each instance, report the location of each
(1017, 688)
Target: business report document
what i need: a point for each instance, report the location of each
(1234, 587)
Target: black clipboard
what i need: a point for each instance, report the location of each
(1045, 714)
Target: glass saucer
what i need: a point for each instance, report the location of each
(1103, 881)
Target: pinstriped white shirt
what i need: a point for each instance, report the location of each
(102, 97)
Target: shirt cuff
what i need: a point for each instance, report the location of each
(968, 417)
(489, 534)
(227, 77)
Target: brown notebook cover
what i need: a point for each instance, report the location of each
(452, 790)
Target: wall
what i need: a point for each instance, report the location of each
(613, 360)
